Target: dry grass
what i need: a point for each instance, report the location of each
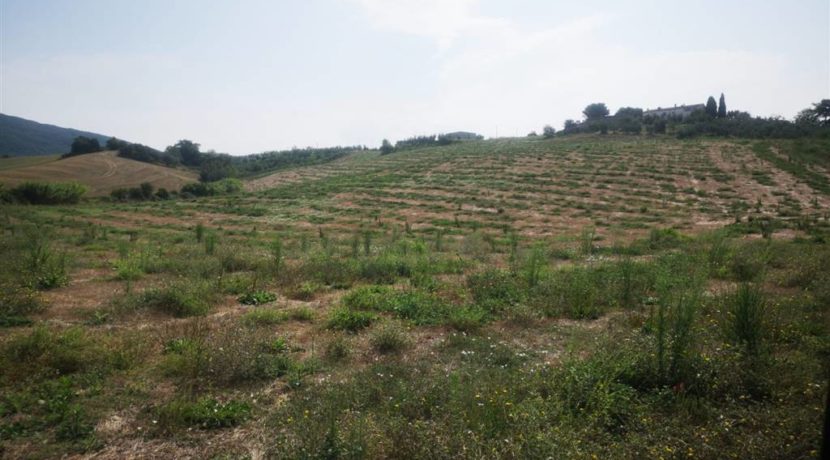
(102, 172)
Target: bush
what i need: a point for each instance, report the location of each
(179, 300)
(220, 187)
(338, 348)
(746, 310)
(467, 319)
(48, 193)
(206, 413)
(16, 302)
(494, 290)
(389, 338)
(224, 355)
(257, 298)
(51, 352)
(419, 307)
(348, 320)
(42, 267)
(666, 238)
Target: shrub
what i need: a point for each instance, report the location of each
(224, 355)
(749, 262)
(679, 289)
(592, 388)
(419, 307)
(48, 193)
(467, 319)
(205, 413)
(338, 348)
(43, 267)
(220, 187)
(304, 291)
(494, 289)
(577, 292)
(368, 298)
(300, 314)
(180, 300)
(666, 238)
(51, 352)
(390, 337)
(210, 243)
(746, 310)
(257, 298)
(348, 320)
(263, 316)
(16, 302)
(128, 269)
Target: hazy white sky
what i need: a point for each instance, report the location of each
(249, 76)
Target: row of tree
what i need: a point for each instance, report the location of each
(712, 119)
(214, 166)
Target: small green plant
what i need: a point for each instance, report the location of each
(467, 318)
(205, 413)
(128, 269)
(300, 314)
(746, 311)
(257, 298)
(534, 265)
(338, 348)
(344, 319)
(305, 291)
(200, 232)
(263, 316)
(277, 254)
(16, 302)
(494, 290)
(390, 337)
(181, 300)
(210, 243)
(44, 268)
(586, 241)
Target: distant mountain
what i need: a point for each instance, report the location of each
(21, 137)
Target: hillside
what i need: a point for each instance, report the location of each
(583, 297)
(21, 137)
(621, 186)
(101, 172)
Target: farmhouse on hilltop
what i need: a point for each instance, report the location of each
(462, 136)
(682, 111)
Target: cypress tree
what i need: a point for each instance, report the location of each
(711, 107)
(722, 107)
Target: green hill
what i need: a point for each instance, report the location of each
(22, 137)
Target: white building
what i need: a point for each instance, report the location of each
(682, 111)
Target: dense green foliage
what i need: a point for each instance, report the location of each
(146, 154)
(44, 193)
(82, 145)
(220, 187)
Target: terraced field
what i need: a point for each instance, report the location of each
(583, 297)
(535, 187)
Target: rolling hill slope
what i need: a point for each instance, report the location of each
(539, 187)
(102, 172)
(21, 137)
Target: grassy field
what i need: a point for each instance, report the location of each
(21, 162)
(586, 297)
(102, 172)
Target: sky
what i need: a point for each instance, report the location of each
(249, 76)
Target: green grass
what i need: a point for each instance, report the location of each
(513, 298)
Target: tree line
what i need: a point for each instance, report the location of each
(712, 120)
